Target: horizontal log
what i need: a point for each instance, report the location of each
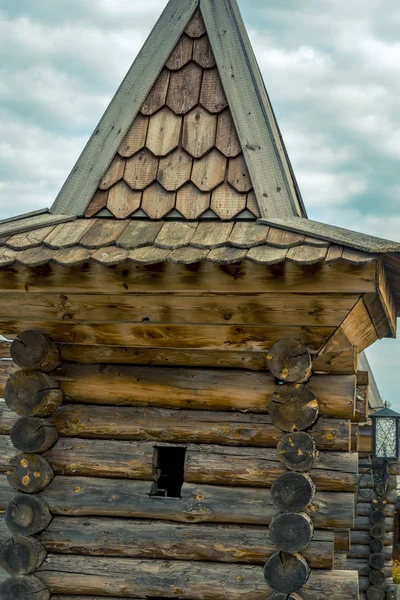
(170, 335)
(250, 467)
(164, 425)
(364, 509)
(158, 539)
(390, 497)
(341, 363)
(215, 389)
(195, 580)
(365, 583)
(342, 540)
(364, 523)
(263, 308)
(334, 471)
(205, 277)
(363, 537)
(5, 348)
(94, 496)
(363, 567)
(364, 551)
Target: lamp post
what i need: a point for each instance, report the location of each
(385, 448)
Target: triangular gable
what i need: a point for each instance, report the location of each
(178, 140)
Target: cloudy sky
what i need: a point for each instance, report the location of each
(332, 69)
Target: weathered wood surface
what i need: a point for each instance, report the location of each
(31, 393)
(292, 492)
(20, 588)
(363, 537)
(342, 539)
(30, 434)
(293, 407)
(218, 465)
(261, 308)
(27, 514)
(160, 539)
(365, 509)
(364, 551)
(21, 555)
(252, 467)
(286, 572)
(147, 335)
(215, 389)
(291, 532)
(297, 451)
(341, 363)
(95, 496)
(206, 277)
(289, 361)
(182, 426)
(29, 473)
(195, 580)
(32, 349)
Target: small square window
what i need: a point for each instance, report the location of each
(170, 468)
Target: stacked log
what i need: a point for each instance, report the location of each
(31, 393)
(231, 516)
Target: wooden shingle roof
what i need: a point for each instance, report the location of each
(190, 132)
(111, 242)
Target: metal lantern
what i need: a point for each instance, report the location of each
(385, 434)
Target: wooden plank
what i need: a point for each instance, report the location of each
(164, 132)
(157, 202)
(97, 203)
(243, 85)
(114, 173)
(29, 223)
(202, 53)
(102, 146)
(184, 426)
(386, 297)
(377, 315)
(181, 54)
(337, 361)
(217, 465)
(141, 170)
(196, 27)
(68, 235)
(207, 277)
(103, 233)
(184, 89)
(199, 130)
(191, 202)
(138, 234)
(263, 309)
(209, 389)
(209, 171)
(212, 95)
(135, 138)
(227, 140)
(358, 327)
(238, 175)
(30, 239)
(174, 170)
(195, 580)
(175, 235)
(158, 539)
(96, 496)
(227, 202)
(157, 96)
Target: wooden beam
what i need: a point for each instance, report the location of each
(327, 310)
(164, 278)
(215, 389)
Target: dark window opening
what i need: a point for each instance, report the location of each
(170, 465)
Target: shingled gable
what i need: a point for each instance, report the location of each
(169, 128)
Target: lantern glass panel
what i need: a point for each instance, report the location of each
(385, 437)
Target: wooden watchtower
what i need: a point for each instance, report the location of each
(183, 399)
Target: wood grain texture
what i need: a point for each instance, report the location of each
(174, 170)
(157, 95)
(201, 581)
(114, 173)
(209, 171)
(191, 202)
(164, 132)
(227, 140)
(157, 202)
(227, 202)
(141, 170)
(212, 95)
(135, 138)
(164, 540)
(122, 200)
(181, 54)
(215, 389)
(184, 89)
(238, 175)
(95, 496)
(184, 426)
(199, 130)
(202, 53)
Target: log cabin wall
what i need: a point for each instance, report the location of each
(99, 481)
